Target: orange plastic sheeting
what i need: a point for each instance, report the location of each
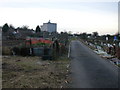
(35, 41)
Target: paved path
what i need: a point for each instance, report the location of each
(90, 70)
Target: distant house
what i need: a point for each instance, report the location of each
(49, 27)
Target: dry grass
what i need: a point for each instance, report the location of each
(32, 72)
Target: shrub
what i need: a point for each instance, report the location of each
(6, 51)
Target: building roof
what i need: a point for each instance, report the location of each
(49, 22)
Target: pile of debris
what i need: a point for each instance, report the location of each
(107, 51)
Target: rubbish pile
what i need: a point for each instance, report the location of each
(107, 51)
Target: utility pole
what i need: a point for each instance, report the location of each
(119, 24)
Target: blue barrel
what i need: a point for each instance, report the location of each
(38, 51)
(47, 54)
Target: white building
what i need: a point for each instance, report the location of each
(49, 27)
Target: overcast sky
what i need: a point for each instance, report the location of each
(70, 15)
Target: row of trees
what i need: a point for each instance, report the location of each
(96, 36)
(7, 27)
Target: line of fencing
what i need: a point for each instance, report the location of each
(51, 52)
